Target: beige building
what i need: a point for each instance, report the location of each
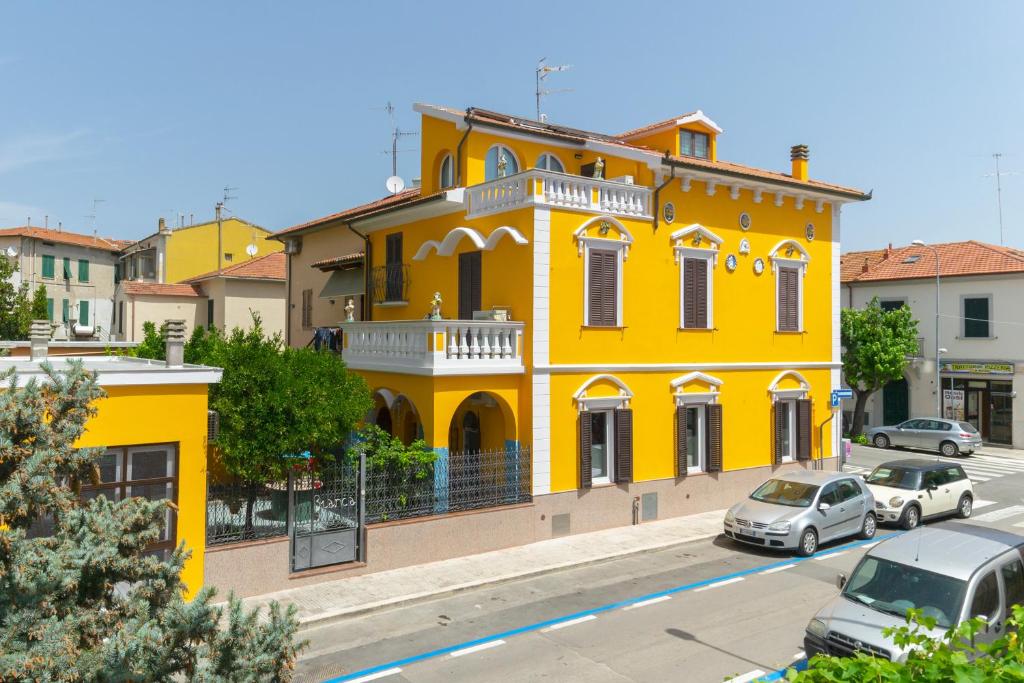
(225, 299)
(79, 272)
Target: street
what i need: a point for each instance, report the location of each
(705, 611)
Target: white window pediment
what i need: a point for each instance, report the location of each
(622, 239)
(789, 253)
(690, 241)
(584, 401)
(683, 397)
(781, 394)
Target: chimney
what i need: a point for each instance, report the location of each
(888, 251)
(39, 339)
(161, 226)
(174, 338)
(866, 268)
(798, 154)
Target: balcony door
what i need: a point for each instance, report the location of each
(469, 284)
(393, 268)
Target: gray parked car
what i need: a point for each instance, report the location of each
(949, 571)
(801, 509)
(949, 437)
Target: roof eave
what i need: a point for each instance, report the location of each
(792, 184)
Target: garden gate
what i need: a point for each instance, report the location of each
(326, 515)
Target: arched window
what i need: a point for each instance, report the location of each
(447, 174)
(549, 162)
(499, 156)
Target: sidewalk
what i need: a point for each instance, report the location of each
(335, 600)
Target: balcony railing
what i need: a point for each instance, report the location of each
(561, 190)
(390, 282)
(434, 347)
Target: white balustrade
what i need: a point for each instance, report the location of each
(434, 347)
(558, 189)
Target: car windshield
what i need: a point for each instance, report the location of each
(781, 492)
(893, 588)
(968, 427)
(895, 477)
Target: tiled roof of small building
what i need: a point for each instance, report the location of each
(905, 263)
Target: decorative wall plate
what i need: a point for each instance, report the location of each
(730, 262)
(668, 212)
(745, 221)
(809, 232)
(744, 246)
(758, 265)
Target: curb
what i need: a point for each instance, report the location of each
(335, 616)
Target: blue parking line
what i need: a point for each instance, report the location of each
(596, 610)
(799, 665)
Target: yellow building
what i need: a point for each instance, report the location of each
(145, 453)
(171, 255)
(650, 321)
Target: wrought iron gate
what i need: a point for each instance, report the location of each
(326, 513)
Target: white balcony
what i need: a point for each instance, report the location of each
(563, 190)
(434, 347)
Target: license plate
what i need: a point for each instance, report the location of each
(748, 532)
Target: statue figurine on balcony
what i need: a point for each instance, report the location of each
(502, 164)
(435, 306)
(599, 168)
(350, 310)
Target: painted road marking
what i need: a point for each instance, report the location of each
(982, 503)
(799, 665)
(380, 674)
(870, 545)
(778, 569)
(651, 601)
(716, 584)
(799, 655)
(540, 625)
(1002, 513)
(571, 622)
(477, 648)
(747, 677)
(829, 556)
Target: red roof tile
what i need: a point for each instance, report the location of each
(653, 126)
(339, 261)
(268, 267)
(391, 201)
(159, 289)
(752, 172)
(955, 258)
(63, 237)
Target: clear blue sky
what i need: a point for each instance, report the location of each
(154, 108)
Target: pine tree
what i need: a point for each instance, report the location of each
(83, 603)
(40, 309)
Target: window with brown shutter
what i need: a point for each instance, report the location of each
(602, 286)
(713, 420)
(586, 439)
(803, 429)
(623, 445)
(307, 308)
(789, 300)
(470, 287)
(682, 457)
(695, 293)
(780, 417)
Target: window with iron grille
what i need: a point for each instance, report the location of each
(212, 425)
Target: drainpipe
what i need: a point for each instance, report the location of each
(288, 300)
(657, 191)
(458, 148)
(367, 254)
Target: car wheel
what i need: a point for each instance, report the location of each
(949, 449)
(808, 543)
(869, 527)
(911, 517)
(881, 441)
(965, 507)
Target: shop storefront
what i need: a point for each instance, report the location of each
(980, 392)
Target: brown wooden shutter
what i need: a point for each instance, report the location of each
(713, 419)
(470, 286)
(778, 420)
(623, 445)
(695, 284)
(586, 439)
(689, 294)
(682, 457)
(789, 300)
(602, 288)
(803, 429)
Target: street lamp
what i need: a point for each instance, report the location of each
(938, 351)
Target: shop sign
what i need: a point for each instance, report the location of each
(967, 368)
(953, 404)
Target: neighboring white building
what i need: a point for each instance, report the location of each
(79, 272)
(981, 328)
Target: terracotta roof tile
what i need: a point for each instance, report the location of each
(654, 126)
(390, 201)
(159, 289)
(268, 267)
(338, 261)
(752, 172)
(64, 237)
(955, 259)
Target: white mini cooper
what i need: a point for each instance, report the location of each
(907, 491)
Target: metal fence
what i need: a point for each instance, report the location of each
(464, 480)
(390, 282)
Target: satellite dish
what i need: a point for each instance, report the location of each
(251, 250)
(395, 184)
(12, 251)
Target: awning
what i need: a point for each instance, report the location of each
(349, 282)
(353, 260)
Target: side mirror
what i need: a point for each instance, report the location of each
(824, 507)
(841, 581)
(933, 487)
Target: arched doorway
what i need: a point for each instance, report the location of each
(383, 419)
(895, 402)
(483, 458)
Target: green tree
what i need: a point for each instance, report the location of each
(955, 657)
(876, 345)
(84, 603)
(15, 309)
(40, 309)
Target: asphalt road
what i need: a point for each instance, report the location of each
(705, 611)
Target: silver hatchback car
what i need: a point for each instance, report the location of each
(801, 509)
(949, 437)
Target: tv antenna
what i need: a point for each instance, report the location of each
(92, 216)
(999, 190)
(396, 134)
(543, 71)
